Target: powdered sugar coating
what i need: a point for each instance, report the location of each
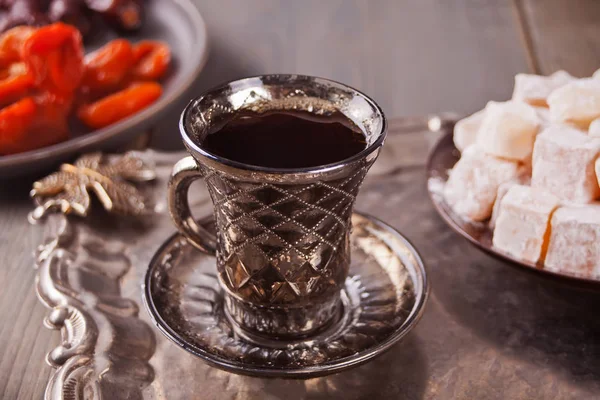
(473, 183)
(574, 245)
(524, 178)
(563, 164)
(523, 221)
(544, 116)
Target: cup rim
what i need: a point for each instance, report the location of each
(198, 150)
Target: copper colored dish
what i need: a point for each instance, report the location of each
(441, 159)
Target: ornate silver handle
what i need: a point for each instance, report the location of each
(184, 173)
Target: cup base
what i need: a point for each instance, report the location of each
(381, 301)
(282, 322)
(330, 329)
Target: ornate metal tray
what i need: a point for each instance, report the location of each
(488, 332)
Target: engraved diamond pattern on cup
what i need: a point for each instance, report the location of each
(281, 242)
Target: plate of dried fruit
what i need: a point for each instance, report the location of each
(521, 179)
(91, 77)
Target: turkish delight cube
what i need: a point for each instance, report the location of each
(524, 178)
(563, 163)
(473, 183)
(577, 102)
(508, 130)
(574, 245)
(523, 222)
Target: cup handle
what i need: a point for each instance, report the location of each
(184, 173)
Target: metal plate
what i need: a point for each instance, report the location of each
(384, 297)
(177, 22)
(441, 159)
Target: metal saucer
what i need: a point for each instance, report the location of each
(384, 297)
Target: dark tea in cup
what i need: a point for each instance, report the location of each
(287, 140)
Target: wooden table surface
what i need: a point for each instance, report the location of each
(413, 57)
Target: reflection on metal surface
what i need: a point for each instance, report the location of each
(105, 348)
(68, 190)
(383, 298)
